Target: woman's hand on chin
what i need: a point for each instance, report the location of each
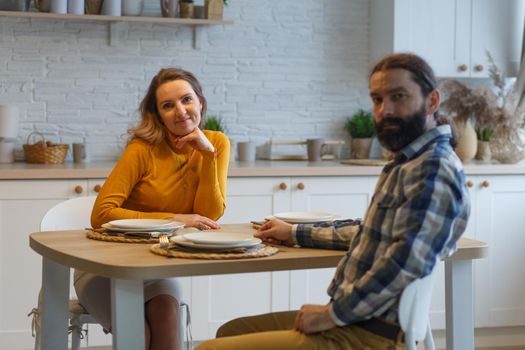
(197, 221)
(195, 139)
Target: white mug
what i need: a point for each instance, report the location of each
(245, 151)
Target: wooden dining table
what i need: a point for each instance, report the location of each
(129, 264)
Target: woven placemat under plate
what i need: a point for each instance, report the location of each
(263, 251)
(103, 237)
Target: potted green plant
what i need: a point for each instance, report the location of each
(361, 129)
(186, 8)
(214, 123)
(483, 136)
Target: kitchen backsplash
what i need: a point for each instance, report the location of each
(285, 69)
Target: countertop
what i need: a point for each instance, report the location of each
(25, 171)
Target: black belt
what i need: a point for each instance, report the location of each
(382, 328)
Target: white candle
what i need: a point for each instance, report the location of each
(58, 6)
(112, 8)
(75, 7)
(8, 122)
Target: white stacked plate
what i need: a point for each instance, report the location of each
(215, 240)
(143, 225)
(306, 217)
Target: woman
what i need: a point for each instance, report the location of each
(170, 169)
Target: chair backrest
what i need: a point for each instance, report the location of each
(73, 213)
(414, 306)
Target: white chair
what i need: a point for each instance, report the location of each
(71, 214)
(75, 214)
(414, 306)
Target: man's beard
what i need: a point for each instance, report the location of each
(395, 132)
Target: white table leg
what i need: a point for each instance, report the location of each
(55, 304)
(127, 314)
(459, 305)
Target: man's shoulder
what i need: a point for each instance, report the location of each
(439, 158)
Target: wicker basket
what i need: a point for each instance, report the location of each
(44, 152)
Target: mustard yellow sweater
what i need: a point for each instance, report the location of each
(157, 181)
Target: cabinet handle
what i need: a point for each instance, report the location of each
(463, 68)
(79, 189)
(485, 184)
(470, 183)
(97, 188)
(300, 186)
(283, 186)
(478, 68)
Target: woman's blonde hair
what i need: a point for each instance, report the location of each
(151, 128)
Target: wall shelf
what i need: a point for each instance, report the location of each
(113, 22)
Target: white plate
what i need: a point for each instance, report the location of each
(174, 226)
(217, 238)
(304, 217)
(143, 223)
(180, 240)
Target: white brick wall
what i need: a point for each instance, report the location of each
(287, 69)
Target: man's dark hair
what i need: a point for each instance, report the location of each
(422, 74)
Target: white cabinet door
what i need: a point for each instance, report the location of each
(253, 198)
(497, 26)
(23, 203)
(346, 196)
(452, 35)
(428, 28)
(500, 286)
(218, 299)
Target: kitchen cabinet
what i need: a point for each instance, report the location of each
(452, 35)
(497, 203)
(23, 203)
(498, 219)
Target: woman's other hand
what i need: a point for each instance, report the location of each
(276, 231)
(195, 139)
(197, 221)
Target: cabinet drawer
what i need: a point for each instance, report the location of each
(42, 189)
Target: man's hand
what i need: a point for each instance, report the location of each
(276, 231)
(313, 319)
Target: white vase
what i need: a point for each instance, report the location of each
(111, 8)
(483, 152)
(58, 6)
(75, 7)
(132, 7)
(467, 141)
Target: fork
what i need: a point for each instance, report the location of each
(164, 242)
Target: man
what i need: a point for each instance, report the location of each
(419, 210)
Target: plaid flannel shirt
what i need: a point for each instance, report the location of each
(419, 210)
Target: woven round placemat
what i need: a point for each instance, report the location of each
(263, 251)
(102, 237)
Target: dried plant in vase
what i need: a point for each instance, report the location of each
(497, 111)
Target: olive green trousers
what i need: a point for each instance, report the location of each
(274, 331)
